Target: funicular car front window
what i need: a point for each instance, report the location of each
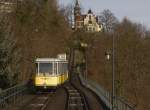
(46, 68)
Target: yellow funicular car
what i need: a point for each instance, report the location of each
(51, 72)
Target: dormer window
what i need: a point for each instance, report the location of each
(90, 19)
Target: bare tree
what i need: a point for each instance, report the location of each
(67, 12)
(9, 55)
(108, 20)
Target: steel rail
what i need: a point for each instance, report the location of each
(39, 102)
(76, 100)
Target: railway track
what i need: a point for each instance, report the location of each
(39, 102)
(76, 100)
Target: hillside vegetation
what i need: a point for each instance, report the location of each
(132, 62)
(38, 29)
(42, 31)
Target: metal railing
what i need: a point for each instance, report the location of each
(122, 104)
(105, 96)
(12, 96)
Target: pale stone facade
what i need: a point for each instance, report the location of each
(88, 22)
(91, 23)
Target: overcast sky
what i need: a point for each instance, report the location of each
(135, 10)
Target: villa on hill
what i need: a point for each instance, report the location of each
(86, 22)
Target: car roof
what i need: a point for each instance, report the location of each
(38, 60)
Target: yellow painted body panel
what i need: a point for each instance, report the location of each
(50, 80)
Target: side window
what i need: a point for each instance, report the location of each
(55, 67)
(65, 67)
(62, 68)
(59, 68)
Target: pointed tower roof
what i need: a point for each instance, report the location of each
(77, 4)
(77, 9)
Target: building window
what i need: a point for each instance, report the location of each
(86, 29)
(90, 22)
(93, 29)
(90, 29)
(90, 17)
(78, 23)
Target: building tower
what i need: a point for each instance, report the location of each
(77, 9)
(77, 15)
